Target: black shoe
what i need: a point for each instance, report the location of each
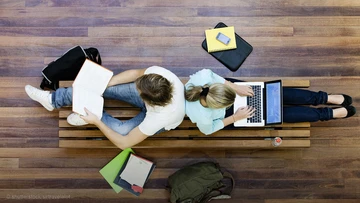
(347, 100)
(350, 111)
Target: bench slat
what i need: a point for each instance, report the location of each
(188, 124)
(197, 133)
(209, 144)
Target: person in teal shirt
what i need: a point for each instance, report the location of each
(209, 98)
(212, 119)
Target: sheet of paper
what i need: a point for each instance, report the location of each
(93, 76)
(88, 87)
(136, 170)
(85, 98)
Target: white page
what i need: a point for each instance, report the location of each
(88, 87)
(93, 77)
(84, 98)
(136, 170)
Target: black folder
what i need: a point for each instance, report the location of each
(232, 59)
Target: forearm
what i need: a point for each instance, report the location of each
(116, 138)
(229, 120)
(230, 84)
(126, 77)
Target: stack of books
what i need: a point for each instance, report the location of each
(128, 171)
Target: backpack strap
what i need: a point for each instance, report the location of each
(219, 193)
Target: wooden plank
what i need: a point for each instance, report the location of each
(19, 112)
(203, 144)
(69, 195)
(189, 3)
(197, 133)
(102, 153)
(188, 124)
(9, 163)
(181, 31)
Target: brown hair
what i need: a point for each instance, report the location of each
(154, 89)
(219, 95)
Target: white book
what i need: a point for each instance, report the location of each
(136, 170)
(88, 87)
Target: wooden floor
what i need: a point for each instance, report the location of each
(316, 39)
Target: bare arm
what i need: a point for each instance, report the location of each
(241, 113)
(126, 76)
(134, 137)
(242, 90)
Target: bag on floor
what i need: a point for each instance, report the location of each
(200, 182)
(67, 66)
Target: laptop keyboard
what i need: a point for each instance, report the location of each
(255, 101)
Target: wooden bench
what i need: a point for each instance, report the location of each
(187, 135)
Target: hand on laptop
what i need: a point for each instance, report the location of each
(244, 112)
(244, 90)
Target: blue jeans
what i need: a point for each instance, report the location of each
(294, 113)
(123, 92)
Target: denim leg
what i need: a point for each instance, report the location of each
(293, 114)
(62, 97)
(125, 92)
(123, 127)
(129, 94)
(295, 96)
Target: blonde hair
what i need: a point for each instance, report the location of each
(219, 95)
(154, 89)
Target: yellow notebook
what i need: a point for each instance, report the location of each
(214, 45)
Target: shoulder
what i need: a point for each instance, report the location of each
(202, 73)
(165, 73)
(197, 113)
(202, 77)
(158, 70)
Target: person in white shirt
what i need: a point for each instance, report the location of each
(156, 91)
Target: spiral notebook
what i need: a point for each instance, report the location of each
(214, 45)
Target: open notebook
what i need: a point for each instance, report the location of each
(88, 87)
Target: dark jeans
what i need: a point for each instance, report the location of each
(293, 112)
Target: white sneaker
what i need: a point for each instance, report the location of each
(74, 119)
(40, 96)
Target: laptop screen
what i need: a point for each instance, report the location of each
(273, 102)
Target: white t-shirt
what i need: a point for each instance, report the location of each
(169, 116)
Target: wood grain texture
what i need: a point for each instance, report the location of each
(316, 40)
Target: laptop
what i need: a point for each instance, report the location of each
(267, 100)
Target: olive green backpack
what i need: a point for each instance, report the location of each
(200, 182)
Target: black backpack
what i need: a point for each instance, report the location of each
(200, 182)
(67, 66)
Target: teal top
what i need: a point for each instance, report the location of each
(207, 120)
